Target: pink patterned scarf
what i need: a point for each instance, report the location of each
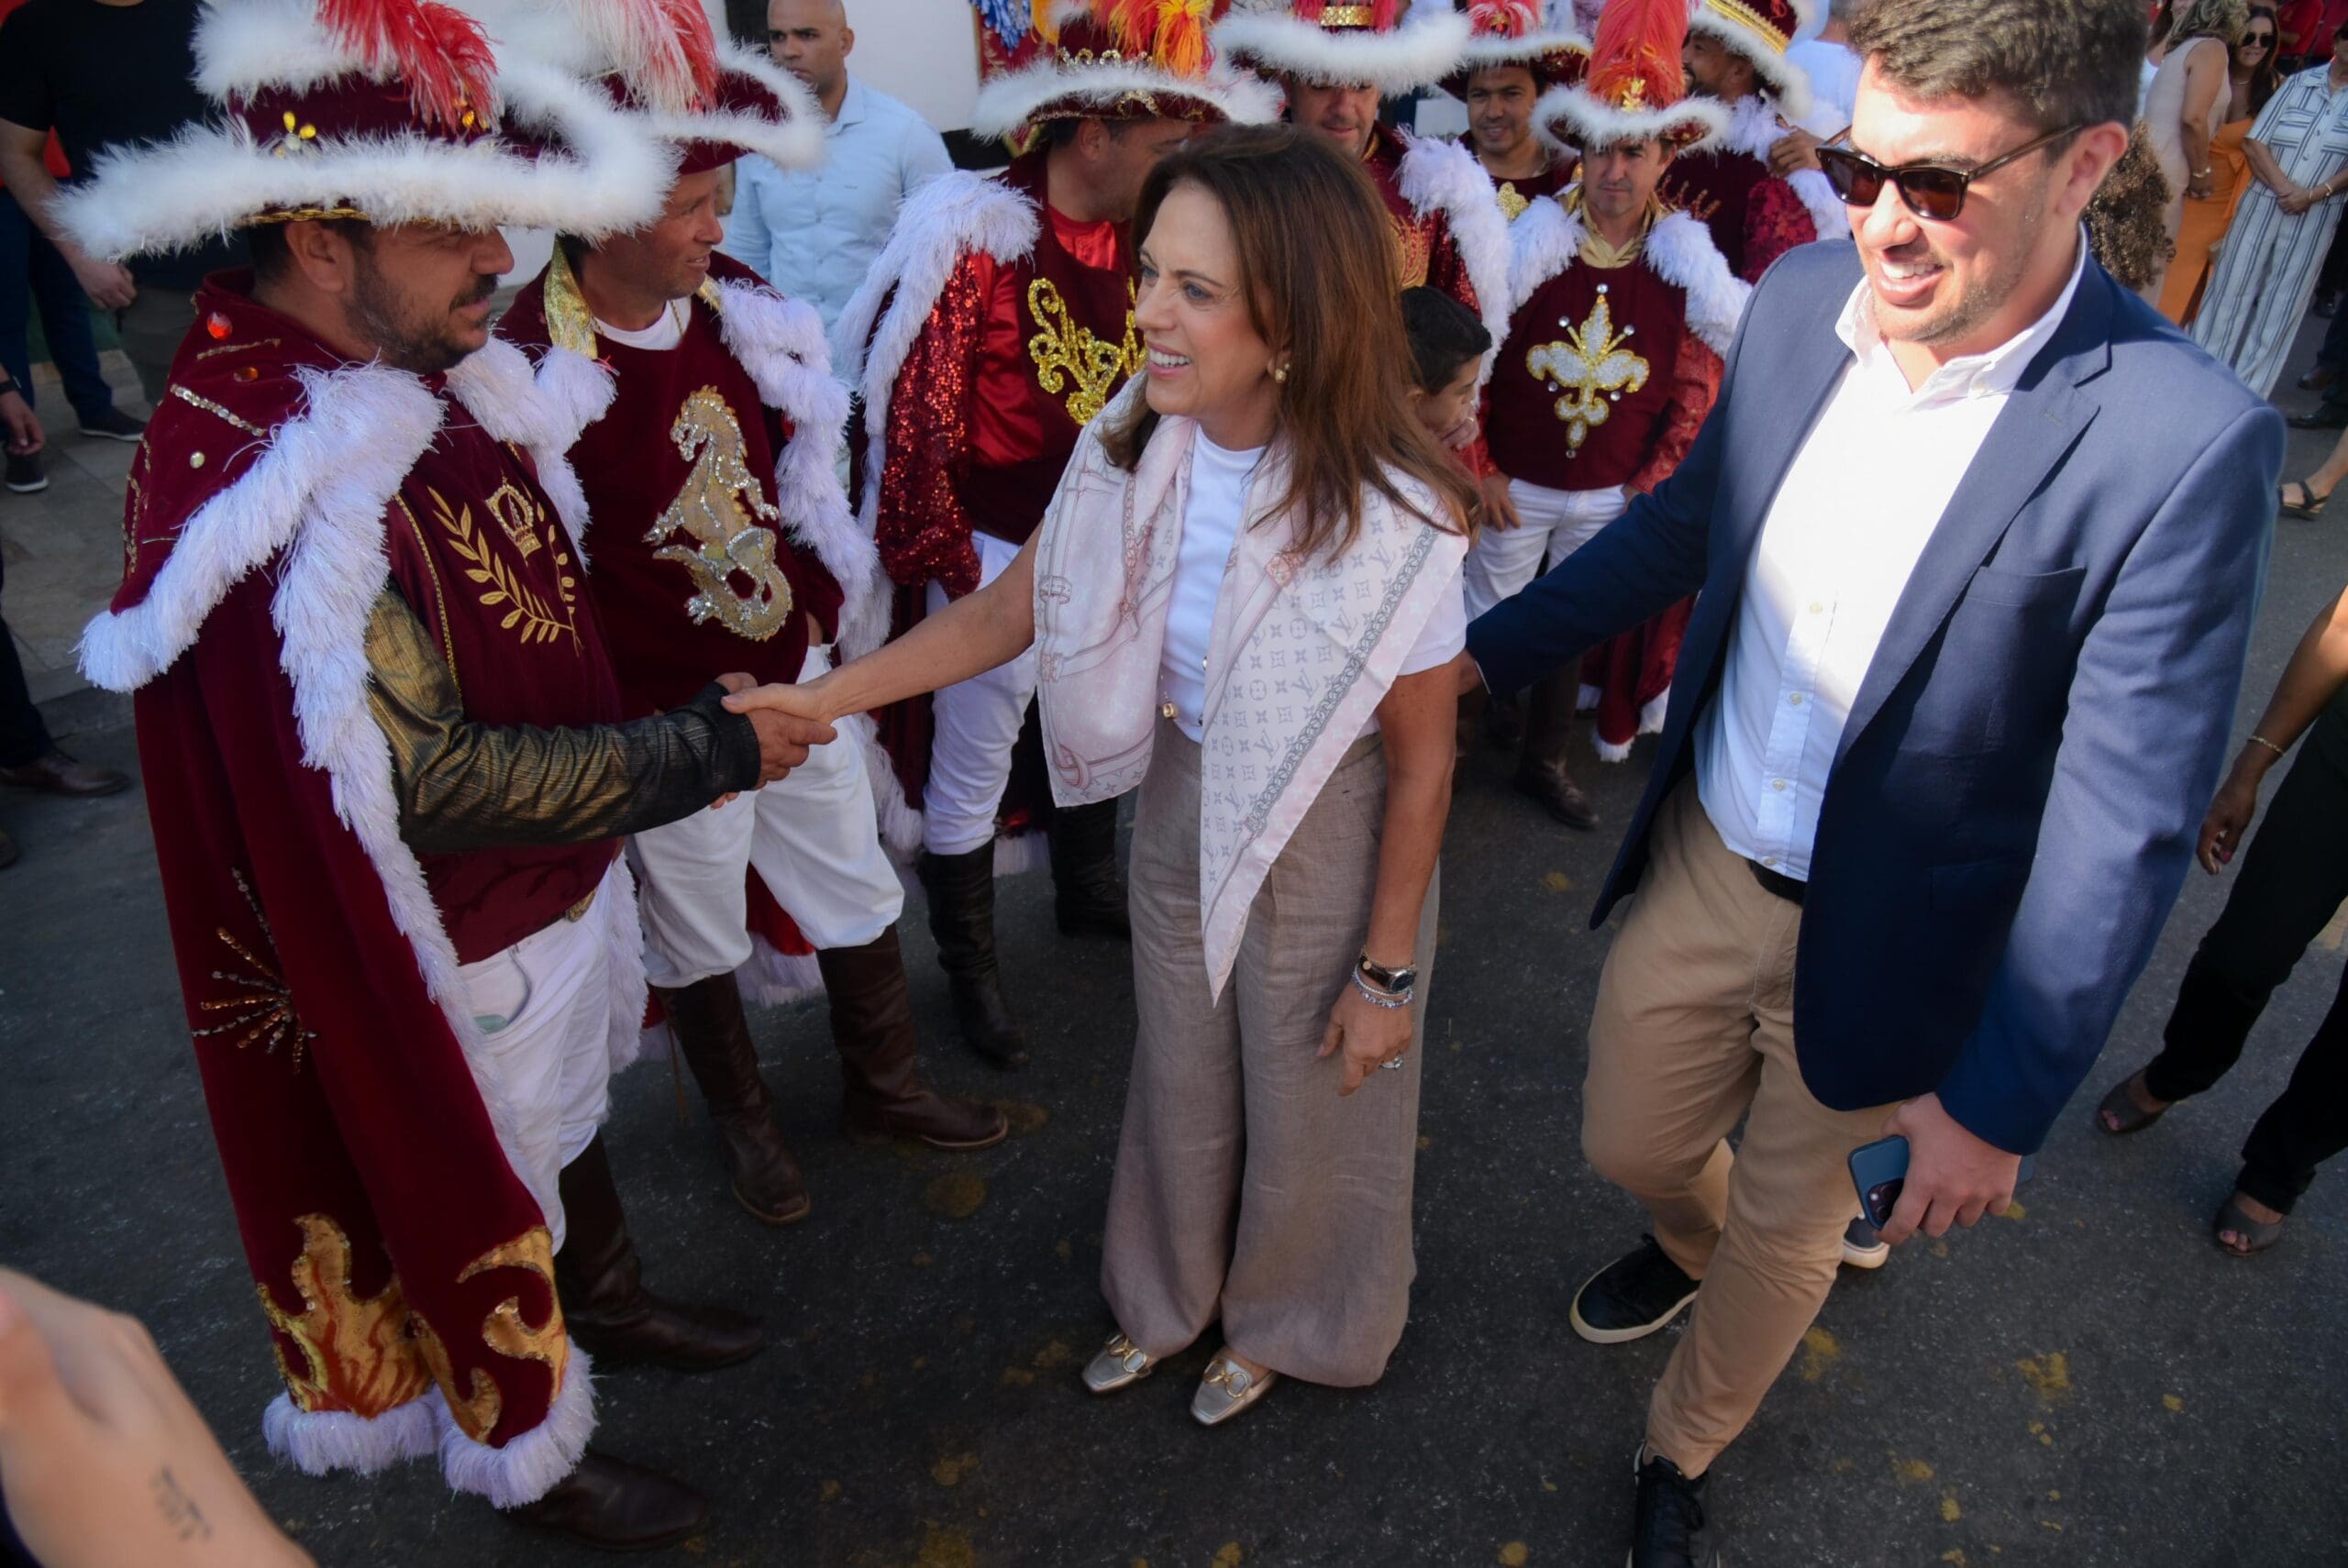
(1301, 654)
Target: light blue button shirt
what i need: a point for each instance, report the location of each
(813, 233)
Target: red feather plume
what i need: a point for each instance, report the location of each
(664, 50)
(442, 54)
(1636, 55)
(1504, 18)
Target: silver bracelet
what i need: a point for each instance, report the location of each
(1389, 1000)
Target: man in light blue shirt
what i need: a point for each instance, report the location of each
(813, 233)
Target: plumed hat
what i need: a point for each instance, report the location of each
(1761, 30)
(1122, 60)
(1336, 45)
(1514, 32)
(1636, 86)
(389, 111)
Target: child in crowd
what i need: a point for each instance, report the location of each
(1448, 344)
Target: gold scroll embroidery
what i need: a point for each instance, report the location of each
(505, 1330)
(356, 1353)
(721, 507)
(263, 1012)
(1063, 350)
(1412, 248)
(527, 614)
(1593, 368)
(1512, 201)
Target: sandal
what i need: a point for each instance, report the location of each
(2255, 1235)
(2310, 506)
(2119, 1113)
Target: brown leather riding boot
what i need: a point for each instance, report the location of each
(705, 1018)
(616, 1506)
(1089, 900)
(872, 1025)
(960, 889)
(1541, 768)
(600, 1279)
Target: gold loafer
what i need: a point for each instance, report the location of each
(1120, 1364)
(1227, 1389)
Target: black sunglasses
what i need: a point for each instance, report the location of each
(1931, 191)
(2255, 40)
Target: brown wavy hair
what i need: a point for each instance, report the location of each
(1319, 270)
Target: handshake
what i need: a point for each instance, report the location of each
(789, 721)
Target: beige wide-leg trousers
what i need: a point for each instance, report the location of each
(1245, 1188)
(1693, 1030)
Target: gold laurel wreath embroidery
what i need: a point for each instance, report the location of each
(529, 614)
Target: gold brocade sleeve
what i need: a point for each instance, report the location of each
(463, 785)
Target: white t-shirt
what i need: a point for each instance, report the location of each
(668, 329)
(1218, 501)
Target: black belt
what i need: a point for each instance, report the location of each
(1789, 889)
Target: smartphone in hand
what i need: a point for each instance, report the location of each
(1879, 1170)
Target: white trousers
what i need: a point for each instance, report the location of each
(1556, 524)
(815, 842)
(545, 1007)
(976, 724)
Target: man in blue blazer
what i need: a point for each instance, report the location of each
(1979, 541)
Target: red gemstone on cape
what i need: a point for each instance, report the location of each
(217, 324)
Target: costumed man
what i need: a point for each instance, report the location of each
(1511, 58)
(1735, 54)
(1335, 63)
(388, 772)
(1621, 310)
(996, 324)
(723, 541)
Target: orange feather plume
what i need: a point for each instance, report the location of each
(442, 54)
(1172, 33)
(1635, 59)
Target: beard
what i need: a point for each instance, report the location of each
(1986, 295)
(420, 339)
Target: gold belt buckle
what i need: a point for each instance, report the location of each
(577, 911)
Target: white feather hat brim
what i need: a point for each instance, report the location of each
(1530, 52)
(1047, 90)
(1419, 53)
(605, 177)
(1786, 81)
(1596, 122)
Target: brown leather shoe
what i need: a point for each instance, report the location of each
(1559, 794)
(54, 773)
(600, 1279)
(1542, 772)
(706, 1020)
(619, 1506)
(872, 1025)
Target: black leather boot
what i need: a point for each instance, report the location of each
(961, 917)
(618, 1507)
(705, 1018)
(872, 1025)
(1541, 769)
(609, 1313)
(1088, 898)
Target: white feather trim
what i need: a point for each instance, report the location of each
(1420, 52)
(1650, 719)
(780, 342)
(1829, 213)
(1784, 79)
(497, 385)
(1010, 100)
(899, 820)
(259, 43)
(1571, 118)
(624, 965)
(1680, 250)
(1485, 51)
(940, 224)
(318, 1442)
(1753, 129)
(210, 179)
(798, 140)
(771, 978)
(530, 1464)
(1543, 241)
(1443, 176)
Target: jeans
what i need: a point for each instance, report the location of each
(2292, 878)
(35, 273)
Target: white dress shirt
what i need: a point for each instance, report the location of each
(1843, 538)
(813, 233)
(1211, 516)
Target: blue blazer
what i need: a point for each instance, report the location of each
(2026, 764)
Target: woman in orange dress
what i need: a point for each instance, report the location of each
(2211, 193)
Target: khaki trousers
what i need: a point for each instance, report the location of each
(1694, 1030)
(1245, 1188)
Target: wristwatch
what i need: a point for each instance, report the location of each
(1387, 979)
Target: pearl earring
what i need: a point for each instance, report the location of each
(1280, 374)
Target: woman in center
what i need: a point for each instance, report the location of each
(1243, 599)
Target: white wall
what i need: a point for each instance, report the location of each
(923, 51)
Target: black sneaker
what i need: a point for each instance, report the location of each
(1667, 1518)
(1631, 1297)
(25, 474)
(115, 425)
(1864, 1246)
